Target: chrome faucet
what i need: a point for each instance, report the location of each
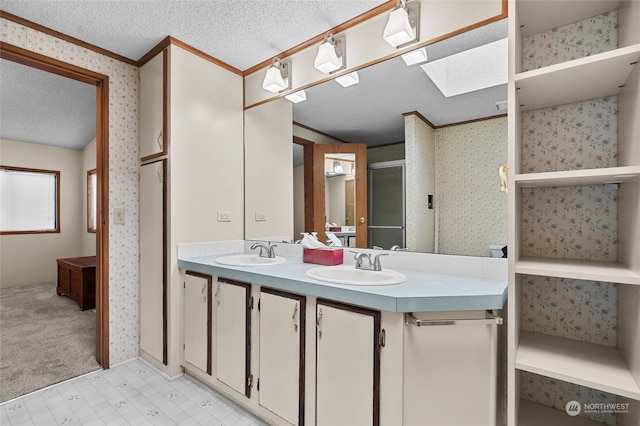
(374, 265)
(266, 250)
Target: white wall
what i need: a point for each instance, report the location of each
(205, 166)
(268, 179)
(31, 258)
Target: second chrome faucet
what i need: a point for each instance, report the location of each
(362, 258)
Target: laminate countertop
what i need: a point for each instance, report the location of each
(422, 292)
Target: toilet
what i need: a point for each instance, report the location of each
(498, 250)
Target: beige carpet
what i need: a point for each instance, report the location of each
(44, 339)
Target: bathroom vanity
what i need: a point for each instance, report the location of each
(295, 350)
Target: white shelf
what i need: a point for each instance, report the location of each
(532, 414)
(540, 16)
(579, 177)
(578, 80)
(577, 269)
(595, 366)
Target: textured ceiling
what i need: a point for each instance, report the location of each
(238, 32)
(40, 107)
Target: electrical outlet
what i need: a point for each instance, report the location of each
(261, 216)
(118, 215)
(224, 216)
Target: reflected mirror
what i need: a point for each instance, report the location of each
(433, 183)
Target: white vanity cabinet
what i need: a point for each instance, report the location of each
(282, 344)
(197, 320)
(347, 365)
(450, 368)
(153, 84)
(233, 334)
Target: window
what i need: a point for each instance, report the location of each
(92, 201)
(29, 200)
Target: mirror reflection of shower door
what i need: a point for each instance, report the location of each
(387, 205)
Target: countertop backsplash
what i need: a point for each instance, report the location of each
(471, 266)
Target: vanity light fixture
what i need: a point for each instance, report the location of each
(332, 54)
(278, 77)
(403, 25)
(415, 56)
(296, 97)
(348, 79)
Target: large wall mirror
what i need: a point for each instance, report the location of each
(433, 150)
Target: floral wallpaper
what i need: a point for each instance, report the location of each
(556, 393)
(468, 159)
(123, 176)
(581, 135)
(574, 309)
(570, 223)
(584, 38)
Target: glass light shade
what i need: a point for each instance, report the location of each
(398, 30)
(296, 97)
(273, 81)
(327, 60)
(348, 79)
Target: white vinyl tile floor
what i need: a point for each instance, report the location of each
(131, 393)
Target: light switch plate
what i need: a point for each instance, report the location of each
(224, 216)
(261, 216)
(118, 215)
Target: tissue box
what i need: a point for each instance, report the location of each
(322, 257)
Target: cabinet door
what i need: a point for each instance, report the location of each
(347, 365)
(197, 320)
(282, 325)
(153, 270)
(152, 106)
(233, 327)
(449, 366)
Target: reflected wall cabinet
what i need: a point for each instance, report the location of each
(574, 198)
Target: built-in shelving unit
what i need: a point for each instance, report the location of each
(602, 69)
(595, 76)
(587, 364)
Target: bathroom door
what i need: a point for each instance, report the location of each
(387, 205)
(359, 150)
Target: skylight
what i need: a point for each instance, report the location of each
(474, 69)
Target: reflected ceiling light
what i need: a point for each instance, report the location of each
(403, 25)
(278, 77)
(474, 69)
(348, 79)
(332, 54)
(298, 96)
(415, 56)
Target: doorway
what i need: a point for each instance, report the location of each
(387, 218)
(101, 83)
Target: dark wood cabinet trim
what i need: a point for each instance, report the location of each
(248, 307)
(302, 328)
(376, 347)
(209, 279)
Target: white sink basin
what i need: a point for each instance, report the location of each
(249, 260)
(348, 274)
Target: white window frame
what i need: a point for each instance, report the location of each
(8, 203)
